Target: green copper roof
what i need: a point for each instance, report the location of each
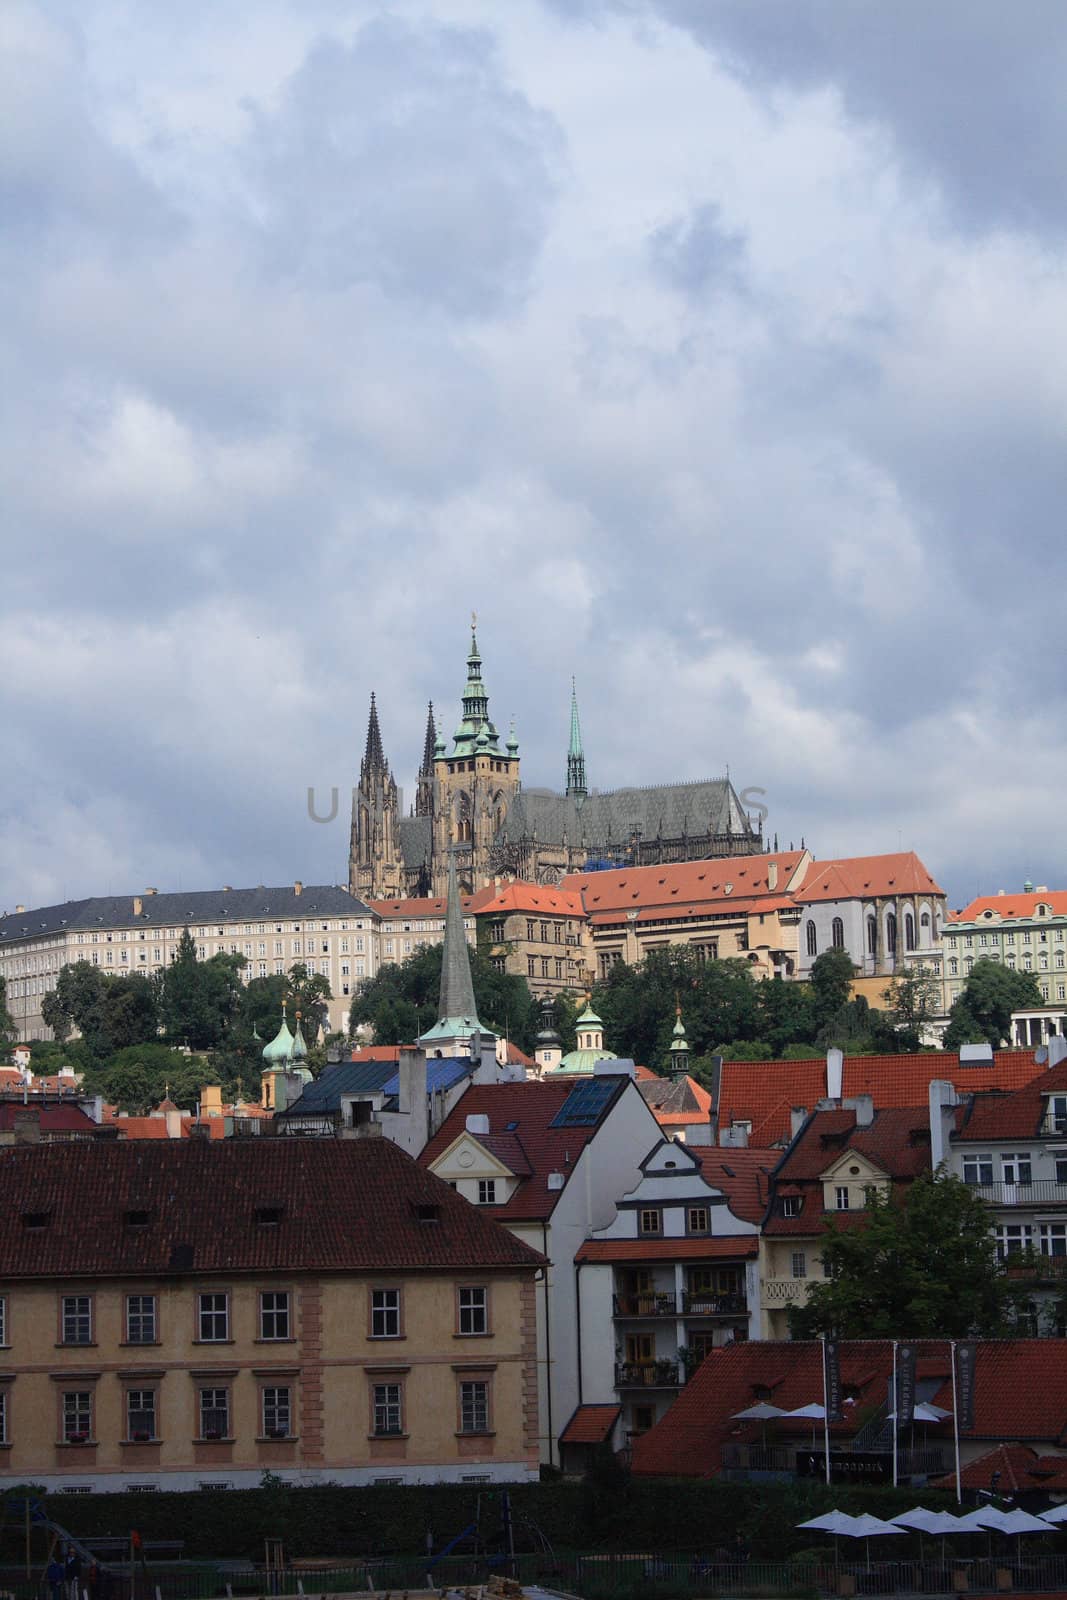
(475, 732)
(300, 1048)
(581, 1061)
(280, 1048)
(588, 1018)
(679, 1042)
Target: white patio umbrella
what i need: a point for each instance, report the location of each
(923, 1520)
(760, 1412)
(834, 1522)
(980, 1520)
(813, 1410)
(1054, 1514)
(868, 1527)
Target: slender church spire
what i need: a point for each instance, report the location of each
(575, 754)
(457, 1013)
(374, 755)
(429, 745)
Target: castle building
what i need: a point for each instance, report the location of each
(470, 800)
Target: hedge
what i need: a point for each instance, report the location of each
(622, 1515)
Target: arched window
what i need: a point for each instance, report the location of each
(872, 936)
(924, 920)
(837, 935)
(891, 933)
(813, 940)
(909, 931)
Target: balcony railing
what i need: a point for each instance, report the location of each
(1045, 1192)
(784, 1291)
(647, 1375)
(714, 1305)
(645, 1305)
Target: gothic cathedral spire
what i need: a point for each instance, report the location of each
(575, 754)
(375, 870)
(424, 792)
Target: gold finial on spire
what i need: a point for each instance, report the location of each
(474, 620)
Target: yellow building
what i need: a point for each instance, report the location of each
(202, 1311)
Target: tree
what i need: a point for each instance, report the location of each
(982, 1013)
(637, 1004)
(831, 983)
(400, 1002)
(926, 1268)
(911, 1001)
(308, 992)
(109, 1012)
(198, 999)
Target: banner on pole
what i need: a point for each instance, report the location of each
(905, 1382)
(831, 1379)
(965, 1359)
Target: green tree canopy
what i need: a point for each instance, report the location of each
(307, 992)
(831, 984)
(8, 1031)
(926, 1268)
(199, 999)
(982, 1013)
(400, 1002)
(110, 1012)
(719, 1000)
(912, 1000)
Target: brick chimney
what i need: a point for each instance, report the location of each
(138, 905)
(298, 887)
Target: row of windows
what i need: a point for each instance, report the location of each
(214, 1412)
(1014, 1169)
(545, 966)
(650, 1220)
(1026, 936)
(213, 1313)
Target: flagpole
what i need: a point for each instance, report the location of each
(896, 1412)
(825, 1411)
(955, 1422)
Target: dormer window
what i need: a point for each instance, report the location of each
(428, 1213)
(841, 1197)
(791, 1205)
(137, 1219)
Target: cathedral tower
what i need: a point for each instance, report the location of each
(475, 782)
(375, 870)
(575, 753)
(424, 794)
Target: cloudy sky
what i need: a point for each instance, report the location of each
(712, 350)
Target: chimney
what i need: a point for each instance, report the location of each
(943, 1100)
(1057, 1049)
(834, 1070)
(227, 888)
(735, 1137)
(298, 887)
(798, 1115)
(772, 874)
(19, 910)
(151, 891)
(138, 905)
(412, 1096)
(863, 1105)
(27, 1126)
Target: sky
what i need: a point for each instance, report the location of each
(713, 353)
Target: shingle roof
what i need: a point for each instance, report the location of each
(764, 1092)
(591, 1424)
(532, 1107)
(1020, 1394)
(52, 1118)
(860, 877)
(897, 1142)
(346, 1205)
(1012, 1116)
(708, 1249)
(600, 821)
(323, 1095)
(178, 910)
(416, 840)
(680, 1100)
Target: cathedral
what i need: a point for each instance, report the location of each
(470, 802)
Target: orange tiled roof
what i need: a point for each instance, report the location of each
(416, 908)
(1013, 906)
(742, 1175)
(858, 877)
(764, 1092)
(691, 883)
(520, 896)
(1019, 1467)
(740, 1244)
(1013, 1116)
(591, 1424)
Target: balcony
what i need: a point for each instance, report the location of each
(714, 1305)
(778, 1292)
(1046, 1192)
(645, 1305)
(647, 1375)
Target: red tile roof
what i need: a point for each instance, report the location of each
(897, 1141)
(519, 896)
(1019, 1467)
(1020, 1395)
(742, 1175)
(1012, 1116)
(860, 877)
(52, 1118)
(346, 1206)
(764, 1092)
(532, 1106)
(684, 885)
(668, 1249)
(591, 1424)
(1021, 907)
(675, 1102)
(428, 907)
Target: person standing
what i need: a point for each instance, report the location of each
(54, 1578)
(72, 1573)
